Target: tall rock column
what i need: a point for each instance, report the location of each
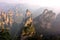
(28, 30)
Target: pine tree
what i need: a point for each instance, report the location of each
(4, 35)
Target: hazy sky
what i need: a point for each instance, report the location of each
(35, 2)
(41, 3)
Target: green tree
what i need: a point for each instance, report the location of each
(5, 35)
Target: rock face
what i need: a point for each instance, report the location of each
(44, 21)
(28, 30)
(56, 24)
(6, 20)
(47, 18)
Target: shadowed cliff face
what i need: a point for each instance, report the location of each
(48, 22)
(44, 22)
(56, 24)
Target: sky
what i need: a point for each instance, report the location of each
(55, 4)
